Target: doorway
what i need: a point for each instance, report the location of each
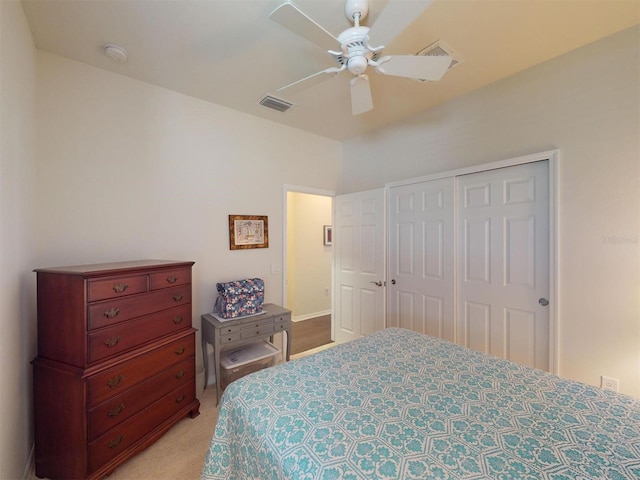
(308, 267)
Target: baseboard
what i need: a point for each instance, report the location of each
(309, 316)
(30, 467)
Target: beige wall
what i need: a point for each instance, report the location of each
(17, 219)
(308, 259)
(129, 170)
(587, 105)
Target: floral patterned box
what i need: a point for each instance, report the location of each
(239, 298)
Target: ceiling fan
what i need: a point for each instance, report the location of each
(356, 53)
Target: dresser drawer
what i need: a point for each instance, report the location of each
(124, 336)
(117, 409)
(170, 278)
(117, 287)
(118, 439)
(109, 312)
(257, 328)
(117, 379)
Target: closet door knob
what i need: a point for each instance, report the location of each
(543, 301)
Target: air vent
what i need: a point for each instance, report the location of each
(275, 103)
(440, 48)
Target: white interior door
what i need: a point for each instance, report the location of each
(421, 269)
(503, 263)
(359, 253)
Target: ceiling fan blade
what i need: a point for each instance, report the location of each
(310, 81)
(397, 15)
(414, 66)
(292, 18)
(360, 95)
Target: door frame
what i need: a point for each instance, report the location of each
(552, 156)
(311, 191)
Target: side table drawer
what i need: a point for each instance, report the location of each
(231, 337)
(256, 330)
(280, 326)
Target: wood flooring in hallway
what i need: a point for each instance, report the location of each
(311, 333)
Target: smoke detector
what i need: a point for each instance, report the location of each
(116, 53)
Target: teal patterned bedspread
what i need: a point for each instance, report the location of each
(401, 405)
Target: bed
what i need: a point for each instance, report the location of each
(401, 405)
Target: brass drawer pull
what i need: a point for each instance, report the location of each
(180, 398)
(172, 279)
(115, 381)
(113, 312)
(177, 319)
(177, 297)
(120, 287)
(112, 342)
(180, 350)
(116, 442)
(116, 411)
(180, 374)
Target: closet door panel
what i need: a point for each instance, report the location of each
(503, 262)
(421, 258)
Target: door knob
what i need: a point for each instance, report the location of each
(543, 301)
(378, 283)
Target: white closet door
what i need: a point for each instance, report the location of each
(421, 268)
(503, 263)
(359, 255)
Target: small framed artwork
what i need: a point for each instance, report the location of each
(248, 231)
(328, 237)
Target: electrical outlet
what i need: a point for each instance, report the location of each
(609, 383)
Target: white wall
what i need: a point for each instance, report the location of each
(17, 218)
(586, 103)
(308, 259)
(128, 170)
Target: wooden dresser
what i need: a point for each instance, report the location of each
(116, 363)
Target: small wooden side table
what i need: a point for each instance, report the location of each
(234, 332)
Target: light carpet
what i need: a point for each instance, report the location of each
(179, 453)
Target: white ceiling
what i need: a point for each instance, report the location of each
(230, 53)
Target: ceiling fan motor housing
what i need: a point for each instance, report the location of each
(354, 43)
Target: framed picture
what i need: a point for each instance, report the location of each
(328, 239)
(248, 231)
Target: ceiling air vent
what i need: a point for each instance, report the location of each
(440, 48)
(275, 103)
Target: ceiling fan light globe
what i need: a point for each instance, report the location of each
(357, 65)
